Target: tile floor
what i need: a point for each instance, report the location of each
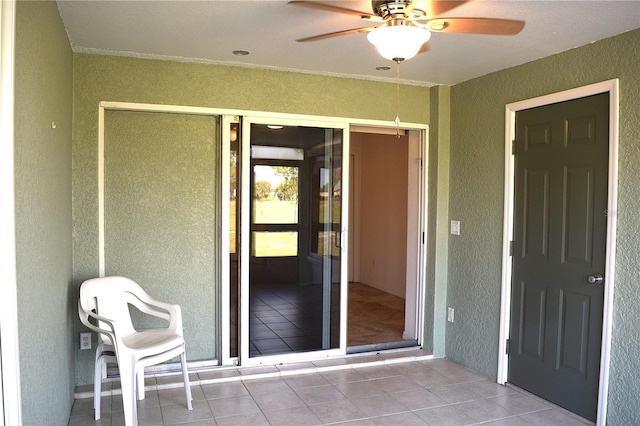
(287, 318)
(402, 388)
(374, 316)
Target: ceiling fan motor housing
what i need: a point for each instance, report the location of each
(387, 8)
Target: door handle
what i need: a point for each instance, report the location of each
(595, 279)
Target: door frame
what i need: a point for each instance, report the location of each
(10, 395)
(610, 87)
(418, 130)
(417, 204)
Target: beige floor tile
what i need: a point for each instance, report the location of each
(379, 405)
(484, 410)
(319, 394)
(556, 417)
(177, 396)
(249, 419)
(293, 416)
(177, 414)
(337, 411)
(395, 384)
(224, 390)
(359, 389)
(278, 400)
(455, 393)
(446, 415)
(305, 381)
(343, 376)
(419, 399)
(518, 403)
(270, 385)
(404, 419)
(234, 406)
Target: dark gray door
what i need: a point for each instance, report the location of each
(559, 247)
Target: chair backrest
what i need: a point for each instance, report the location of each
(110, 297)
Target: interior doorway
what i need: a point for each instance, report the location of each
(610, 87)
(559, 251)
(385, 206)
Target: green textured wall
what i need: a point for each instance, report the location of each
(46, 305)
(476, 199)
(438, 213)
(160, 217)
(108, 78)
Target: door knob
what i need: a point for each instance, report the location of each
(595, 279)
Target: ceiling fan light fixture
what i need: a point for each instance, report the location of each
(398, 42)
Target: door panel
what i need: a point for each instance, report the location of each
(533, 307)
(559, 241)
(292, 288)
(578, 218)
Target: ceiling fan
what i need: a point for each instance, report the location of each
(406, 25)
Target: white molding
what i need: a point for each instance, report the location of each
(101, 224)
(224, 260)
(10, 406)
(361, 123)
(611, 87)
(344, 237)
(417, 161)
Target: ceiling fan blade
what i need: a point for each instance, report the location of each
(331, 8)
(433, 8)
(337, 33)
(488, 26)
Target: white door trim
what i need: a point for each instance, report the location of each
(10, 404)
(611, 87)
(417, 167)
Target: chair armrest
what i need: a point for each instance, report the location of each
(167, 311)
(111, 324)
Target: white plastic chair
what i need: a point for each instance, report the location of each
(103, 307)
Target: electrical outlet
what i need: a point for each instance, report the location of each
(85, 341)
(450, 314)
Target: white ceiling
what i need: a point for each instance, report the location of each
(208, 31)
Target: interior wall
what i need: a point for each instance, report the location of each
(107, 78)
(383, 207)
(46, 300)
(476, 200)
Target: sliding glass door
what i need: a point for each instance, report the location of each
(293, 286)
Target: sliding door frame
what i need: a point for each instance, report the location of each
(227, 116)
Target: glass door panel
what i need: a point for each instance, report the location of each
(230, 241)
(292, 276)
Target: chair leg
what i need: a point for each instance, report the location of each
(97, 382)
(128, 386)
(140, 386)
(185, 379)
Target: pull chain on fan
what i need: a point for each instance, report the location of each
(398, 97)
